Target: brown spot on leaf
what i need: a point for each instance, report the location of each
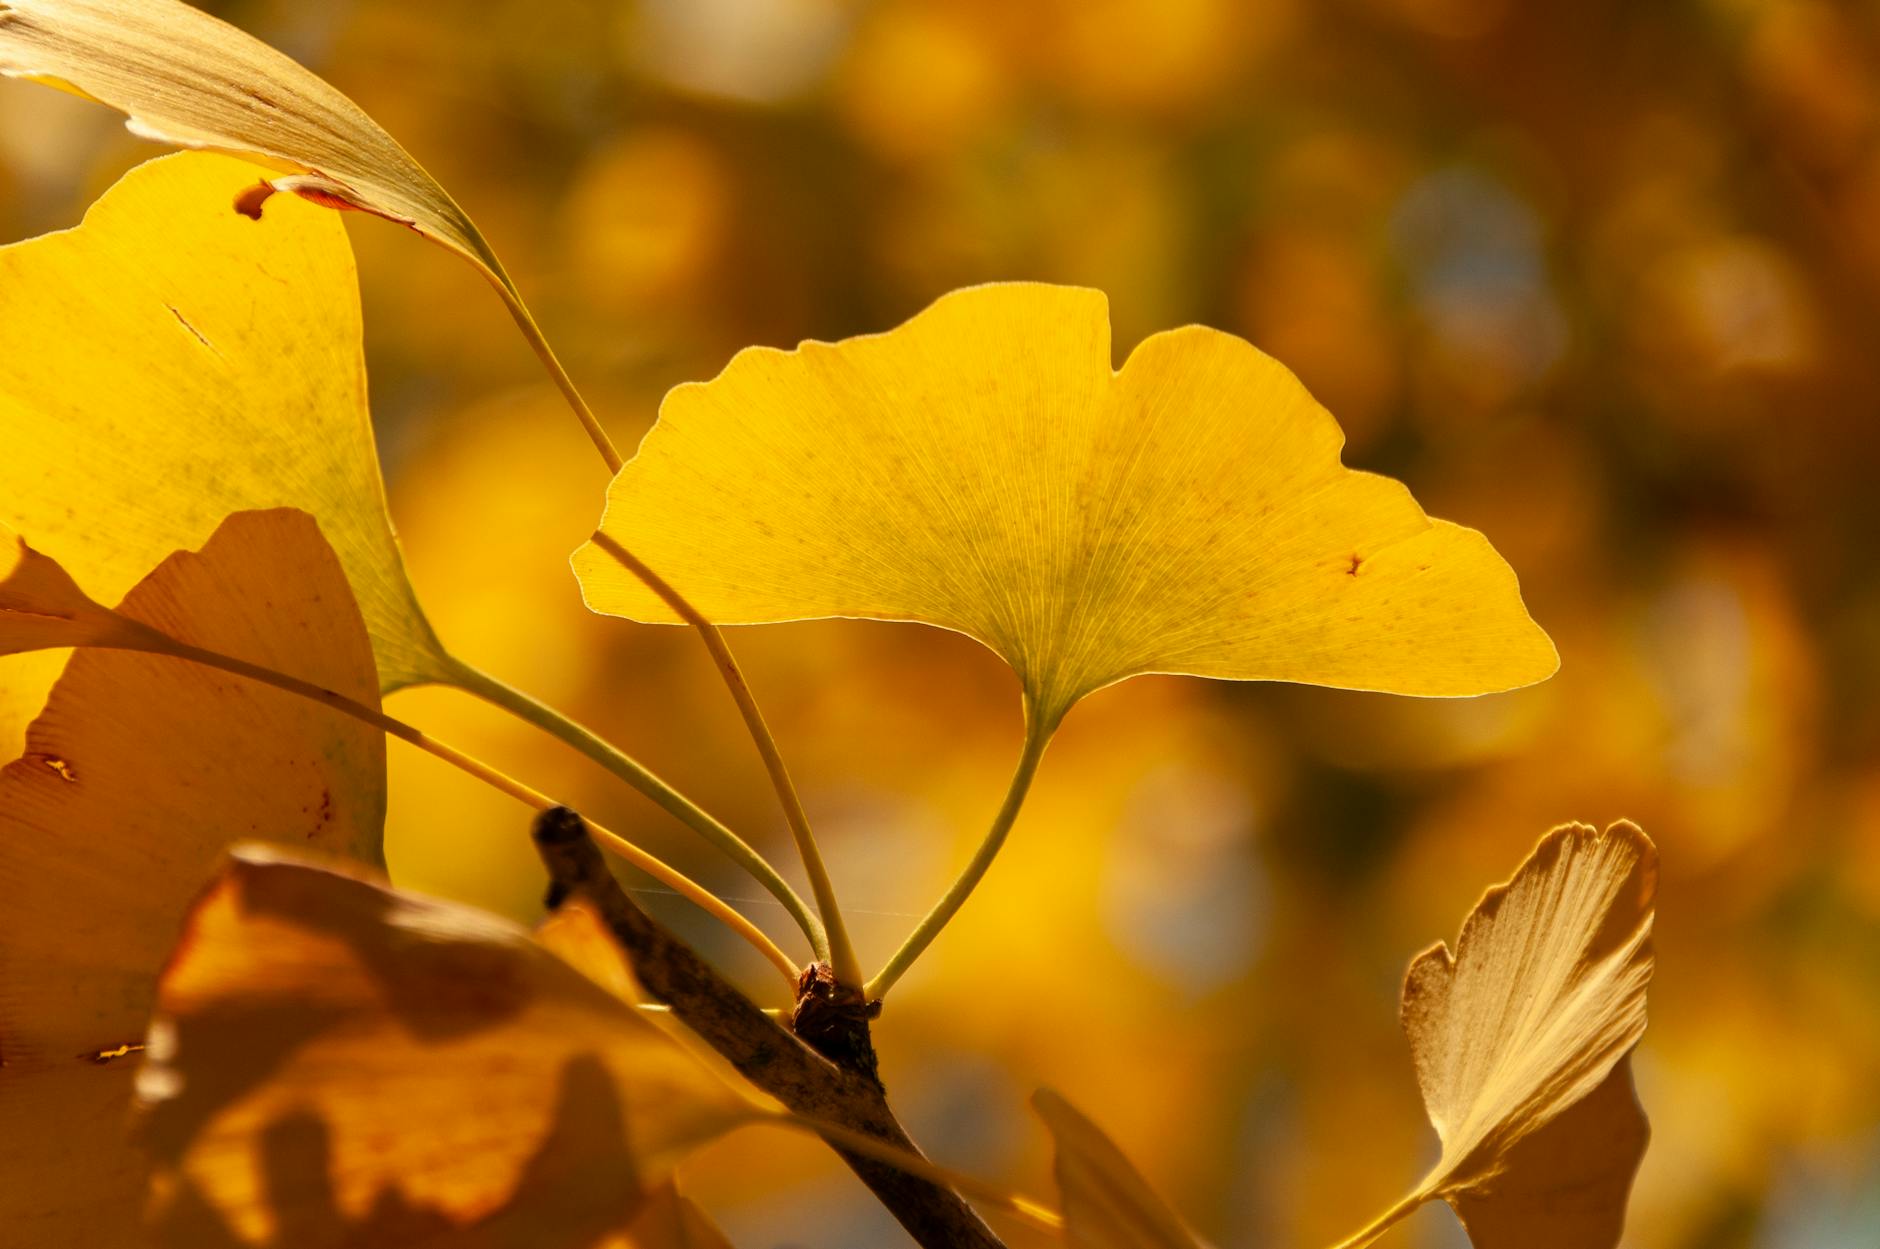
(249, 200)
(58, 766)
(324, 814)
(1357, 562)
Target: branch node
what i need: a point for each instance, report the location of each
(832, 1018)
(814, 1084)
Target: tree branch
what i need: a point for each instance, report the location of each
(771, 1057)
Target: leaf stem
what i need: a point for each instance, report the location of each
(842, 959)
(1032, 1212)
(1038, 733)
(628, 769)
(831, 942)
(651, 864)
(538, 342)
(1384, 1222)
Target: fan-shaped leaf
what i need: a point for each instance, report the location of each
(141, 771)
(335, 1063)
(983, 469)
(169, 362)
(1520, 1040)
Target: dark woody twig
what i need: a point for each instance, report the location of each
(772, 1058)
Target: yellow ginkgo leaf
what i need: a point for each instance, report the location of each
(1106, 1202)
(169, 362)
(336, 1063)
(984, 469)
(1521, 1041)
(140, 773)
(183, 77)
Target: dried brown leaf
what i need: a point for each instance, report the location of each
(1521, 1039)
(183, 77)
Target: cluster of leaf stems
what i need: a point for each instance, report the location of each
(827, 933)
(822, 925)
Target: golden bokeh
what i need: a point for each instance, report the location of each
(1599, 279)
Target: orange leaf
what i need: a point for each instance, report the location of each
(140, 772)
(335, 1063)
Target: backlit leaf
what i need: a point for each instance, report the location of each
(336, 1063)
(183, 77)
(984, 469)
(1521, 1038)
(169, 362)
(1107, 1204)
(140, 773)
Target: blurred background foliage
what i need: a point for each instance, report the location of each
(1600, 278)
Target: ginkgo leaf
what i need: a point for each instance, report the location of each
(183, 77)
(139, 774)
(1520, 1040)
(983, 468)
(1106, 1202)
(336, 1063)
(169, 362)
